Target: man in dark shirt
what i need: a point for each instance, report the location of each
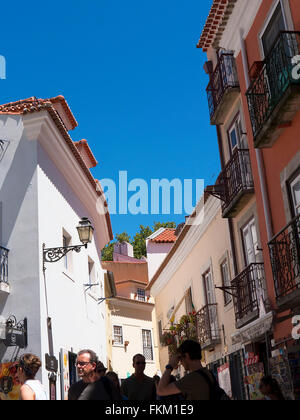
(193, 386)
(92, 385)
(139, 387)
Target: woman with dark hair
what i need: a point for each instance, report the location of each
(270, 389)
(31, 388)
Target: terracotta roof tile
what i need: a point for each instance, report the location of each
(167, 236)
(219, 13)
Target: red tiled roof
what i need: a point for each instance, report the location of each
(216, 23)
(33, 104)
(167, 236)
(84, 144)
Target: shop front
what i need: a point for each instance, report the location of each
(255, 339)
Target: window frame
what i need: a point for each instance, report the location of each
(118, 335)
(148, 347)
(227, 297)
(293, 180)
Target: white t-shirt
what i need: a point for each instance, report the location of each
(37, 388)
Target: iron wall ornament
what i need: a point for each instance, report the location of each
(85, 232)
(3, 146)
(52, 255)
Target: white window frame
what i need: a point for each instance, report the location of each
(68, 258)
(296, 207)
(248, 226)
(151, 342)
(116, 342)
(268, 20)
(227, 296)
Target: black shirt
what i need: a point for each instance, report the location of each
(101, 390)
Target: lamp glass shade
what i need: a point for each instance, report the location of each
(85, 231)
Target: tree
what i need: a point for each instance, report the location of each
(138, 242)
(108, 251)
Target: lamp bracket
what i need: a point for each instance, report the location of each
(52, 255)
(103, 299)
(89, 286)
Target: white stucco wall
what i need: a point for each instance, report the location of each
(37, 204)
(156, 253)
(132, 332)
(78, 321)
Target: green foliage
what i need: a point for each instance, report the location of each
(138, 242)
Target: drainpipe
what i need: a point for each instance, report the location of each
(259, 154)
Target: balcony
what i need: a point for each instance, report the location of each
(249, 290)
(208, 326)
(222, 89)
(234, 185)
(285, 259)
(4, 286)
(274, 94)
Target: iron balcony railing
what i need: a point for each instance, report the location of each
(236, 177)
(3, 265)
(207, 325)
(285, 258)
(224, 77)
(276, 75)
(249, 290)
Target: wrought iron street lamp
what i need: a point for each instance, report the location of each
(85, 233)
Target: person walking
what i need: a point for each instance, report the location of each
(270, 389)
(139, 387)
(114, 378)
(27, 368)
(92, 385)
(197, 384)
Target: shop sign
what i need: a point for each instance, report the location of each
(251, 360)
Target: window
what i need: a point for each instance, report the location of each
(226, 281)
(141, 295)
(189, 306)
(147, 344)
(273, 29)
(118, 335)
(91, 267)
(68, 257)
(160, 331)
(250, 242)
(212, 317)
(295, 195)
(235, 135)
(209, 288)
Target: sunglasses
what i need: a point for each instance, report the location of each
(82, 363)
(140, 363)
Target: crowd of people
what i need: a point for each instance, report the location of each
(96, 383)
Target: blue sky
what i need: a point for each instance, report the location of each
(132, 76)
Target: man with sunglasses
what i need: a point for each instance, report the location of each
(93, 385)
(139, 387)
